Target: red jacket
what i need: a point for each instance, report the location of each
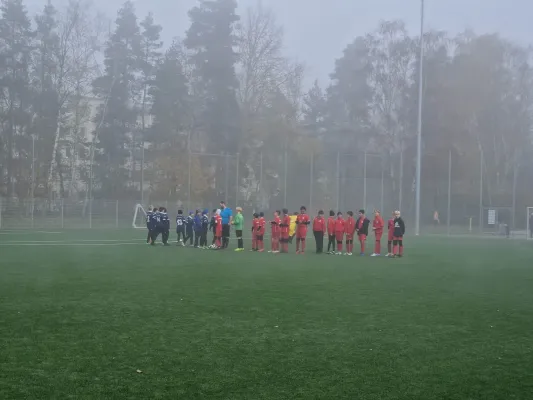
(275, 226)
(331, 226)
(319, 224)
(378, 224)
(349, 226)
(339, 225)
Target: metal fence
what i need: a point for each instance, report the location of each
(456, 187)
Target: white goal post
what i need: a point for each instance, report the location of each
(139, 217)
(529, 221)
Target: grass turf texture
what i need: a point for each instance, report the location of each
(81, 313)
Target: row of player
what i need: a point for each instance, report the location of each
(284, 228)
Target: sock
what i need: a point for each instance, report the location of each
(253, 244)
(389, 247)
(395, 249)
(362, 246)
(239, 243)
(297, 244)
(339, 247)
(401, 250)
(377, 248)
(261, 245)
(303, 245)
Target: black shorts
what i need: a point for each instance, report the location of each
(238, 234)
(225, 230)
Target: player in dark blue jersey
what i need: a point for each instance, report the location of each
(205, 228)
(165, 225)
(149, 225)
(197, 228)
(189, 229)
(180, 227)
(212, 225)
(155, 220)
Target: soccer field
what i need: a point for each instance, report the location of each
(101, 315)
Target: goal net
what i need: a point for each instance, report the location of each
(139, 217)
(529, 223)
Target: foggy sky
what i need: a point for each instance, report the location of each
(316, 31)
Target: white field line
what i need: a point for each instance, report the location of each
(70, 241)
(19, 232)
(70, 244)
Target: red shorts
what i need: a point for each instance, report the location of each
(362, 237)
(397, 238)
(301, 234)
(274, 235)
(339, 236)
(390, 236)
(378, 234)
(284, 235)
(349, 237)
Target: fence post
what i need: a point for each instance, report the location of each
(237, 182)
(364, 184)
(311, 179)
(189, 185)
(401, 180)
(62, 213)
(116, 215)
(260, 173)
(32, 212)
(338, 179)
(448, 219)
(285, 181)
(382, 184)
(226, 179)
(481, 190)
(0, 213)
(90, 213)
(515, 179)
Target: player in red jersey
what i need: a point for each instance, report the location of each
(218, 229)
(377, 226)
(339, 232)
(319, 230)
(361, 227)
(331, 232)
(302, 220)
(349, 230)
(284, 236)
(260, 232)
(390, 227)
(255, 226)
(275, 232)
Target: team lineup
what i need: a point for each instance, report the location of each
(284, 228)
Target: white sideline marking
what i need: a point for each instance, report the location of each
(70, 241)
(19, 232)
(69, 244)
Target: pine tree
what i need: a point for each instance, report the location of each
(171, 111)
(15, 58)
(211, 38)
(117, 117)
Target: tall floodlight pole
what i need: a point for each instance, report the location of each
(419, 130)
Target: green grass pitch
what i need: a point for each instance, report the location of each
(100, 315)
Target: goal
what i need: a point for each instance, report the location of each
(139, 217)
(529, 221)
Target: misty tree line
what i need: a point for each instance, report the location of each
(227, 87)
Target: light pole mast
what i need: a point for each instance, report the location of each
(419, 130)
